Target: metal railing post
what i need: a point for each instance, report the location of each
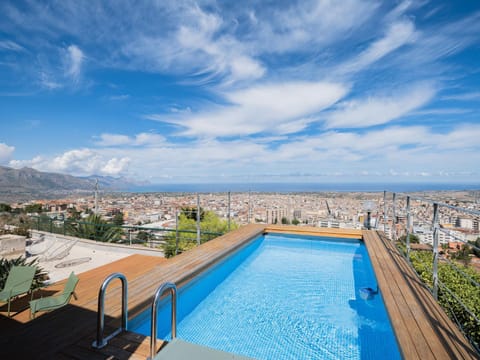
(394, 217)
(153, 330)
(228, 211)
(198, 219)
(176, 232)
(385, 216)
(435, 250)
(102, 341)
(248, 213)
(409, 222)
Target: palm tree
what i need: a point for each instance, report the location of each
(95, 228)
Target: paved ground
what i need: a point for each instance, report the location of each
(60, 256)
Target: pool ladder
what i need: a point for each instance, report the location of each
(101, 340)
(168, 286)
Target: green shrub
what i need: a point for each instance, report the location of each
(41, 276)
(464, 289)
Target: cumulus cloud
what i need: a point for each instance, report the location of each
(78, 162)
(115, 166)
(280, 108)
(6, 153)
(379, 110)
(408, 151)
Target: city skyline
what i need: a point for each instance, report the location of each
(208, 92)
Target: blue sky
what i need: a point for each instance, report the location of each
(185, 91)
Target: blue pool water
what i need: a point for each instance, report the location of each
(285, 297)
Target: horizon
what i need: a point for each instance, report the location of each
(205, 92)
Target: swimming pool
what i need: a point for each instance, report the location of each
(285, 297)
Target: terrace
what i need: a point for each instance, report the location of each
(422, 328)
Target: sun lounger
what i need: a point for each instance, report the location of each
(56, 301)
(19, 281)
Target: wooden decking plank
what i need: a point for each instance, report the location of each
(416, 288)
(418, 328)
(407, 346)
(398, 304)
(457, 345)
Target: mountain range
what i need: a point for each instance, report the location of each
(30, 183)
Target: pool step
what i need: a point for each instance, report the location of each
(181, 350)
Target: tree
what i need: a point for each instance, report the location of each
(5, 207)
(295, 221)
(34, 208)
(463, 254)
(476, 250)
(191, 212)
(118, 219)
(285, 221)
(210, 227)
(414, 239)
(143, 236)
(73, 213)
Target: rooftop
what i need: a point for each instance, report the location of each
(422, 328)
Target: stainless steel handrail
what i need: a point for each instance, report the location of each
(101, 341)
(153, 335)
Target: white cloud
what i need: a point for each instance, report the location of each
(47, 81)
(78, 162)
(140, 139)
(10, 46)
(463, 96)
(379, 110)
(113, 140)
(6, 153)
(74, 59)
(399, 34)
(407, 151)
(148, 139)
(119, 97)
(306, 24)
(275, 108)
(115, 166)
(197, 45)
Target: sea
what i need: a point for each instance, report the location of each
(302, 187)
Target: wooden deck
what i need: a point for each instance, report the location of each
(422, 328)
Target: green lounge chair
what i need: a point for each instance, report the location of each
(19, 281)
(56, 301)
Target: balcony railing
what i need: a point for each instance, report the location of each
(152, 237)
(446, 256)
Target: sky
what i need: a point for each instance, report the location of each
(242, 91)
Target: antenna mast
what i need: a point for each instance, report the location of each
(96, 196)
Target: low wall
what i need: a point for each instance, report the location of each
(12, 246)
(120, 248)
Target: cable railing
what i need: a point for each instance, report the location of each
(445, 256)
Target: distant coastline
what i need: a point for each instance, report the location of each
(302, 187)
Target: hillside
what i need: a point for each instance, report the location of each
(28, 183)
